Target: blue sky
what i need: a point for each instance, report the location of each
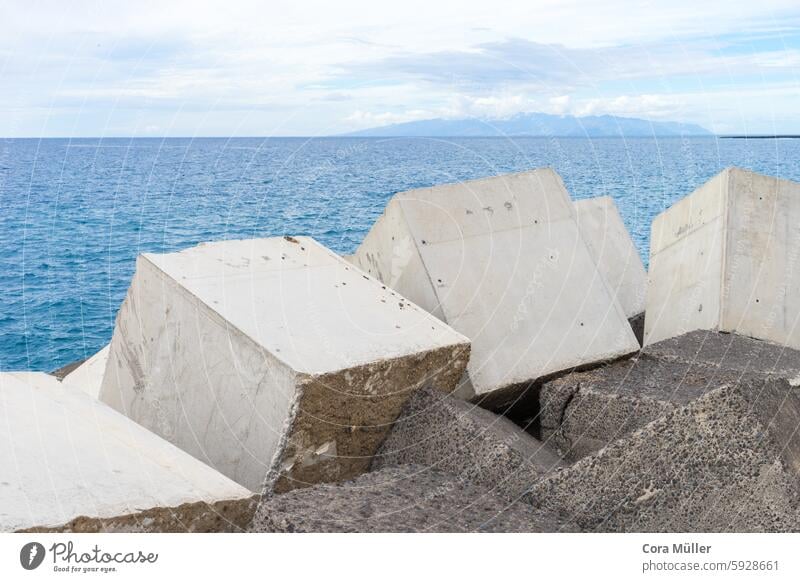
(314, 68)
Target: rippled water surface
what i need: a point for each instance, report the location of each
(75, 213)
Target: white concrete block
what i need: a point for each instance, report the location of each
(273, 360)
(69, 462)
(613, 250)
(89, 375)
(502, 261)
(726, 258)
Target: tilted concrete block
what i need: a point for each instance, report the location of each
(443, 433)
(71, 463)
(272, 360)
(580, 413)
(729, 461)
(89, 375)
(503, 262)
(725, 258)
(408, 498)
(613, 250)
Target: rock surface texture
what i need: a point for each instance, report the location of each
(582, 412)
(71, 463)
(408, 498)
(441, 433)
(273, 360)
(725, 258)
(727, 462)
(502, 261)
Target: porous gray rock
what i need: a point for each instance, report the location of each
(726, 462)
(729, 351)
(582, 412)
(443, 433)
(407, 498)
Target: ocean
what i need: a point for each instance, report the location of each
(74, 213)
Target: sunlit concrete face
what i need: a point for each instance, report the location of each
(89, 375)
(612, 249)
(502, 261)
(272, 360)
(69, 462)
(726, 258)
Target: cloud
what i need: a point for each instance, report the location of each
(303, 68)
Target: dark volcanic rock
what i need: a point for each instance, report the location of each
(637, 325)
(446, 434)
(729, 352)
(728, 461)
(400, 499)
(582, 412)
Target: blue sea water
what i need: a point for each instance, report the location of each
(75, 213)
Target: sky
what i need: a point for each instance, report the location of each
(274, 68)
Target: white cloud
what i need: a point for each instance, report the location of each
(305, 67)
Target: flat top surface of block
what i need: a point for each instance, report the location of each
(306, 305)
(64, 455)
(400, 499)
(456, 211)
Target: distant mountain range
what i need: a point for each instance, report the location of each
(536, 125)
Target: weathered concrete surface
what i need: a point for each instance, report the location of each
(501, 260)
(88, 376)
(613, 251)
(442, 433)
(582, 412)
(725, 258)
(728, 461)
(272, 360)
(70, 463)
(408, 498)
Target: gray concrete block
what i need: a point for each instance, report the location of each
(74, 464)
(613, 251)
(272, 360)
(408, 498)
(503, 261)
(725, 258)
(442, 433)
(727, 462)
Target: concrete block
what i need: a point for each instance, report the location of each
(71, 463)
(408, 498)
(442, 433)
(726, 462)
(89, 375)
(502, 261)
(613, 251)
(725, 258)
(272, 360)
